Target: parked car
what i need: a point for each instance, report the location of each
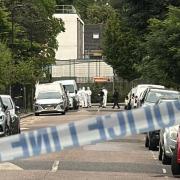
(139, 90)
(167, 141)
(152, 140)
(154, 96)
(175, 162)
(14, 124)
(53, 87)
(49, 102)
(142, 87)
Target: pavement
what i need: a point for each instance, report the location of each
(25, 115)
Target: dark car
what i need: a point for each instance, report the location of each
(152, 140)
(14, 123)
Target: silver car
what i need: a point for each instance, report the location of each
(168, 139)
(49, 102)
(5, 119)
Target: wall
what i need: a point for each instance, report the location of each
(68, 40)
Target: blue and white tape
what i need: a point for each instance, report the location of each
(90, 131)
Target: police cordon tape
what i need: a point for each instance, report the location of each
(90, 131)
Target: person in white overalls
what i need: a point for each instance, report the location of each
(84, 97)
(79, 93)
(105, 97)
(88, 93)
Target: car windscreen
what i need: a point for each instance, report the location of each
(49, 95)
(7, 102)
(69, 88)
(153, 96)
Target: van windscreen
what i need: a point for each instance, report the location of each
(69, 88)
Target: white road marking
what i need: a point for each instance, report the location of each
(55, 166)
(24, 128)
(9, 166)
(164, 171)
(154, 157)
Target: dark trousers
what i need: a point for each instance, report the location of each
(101, 102)
(116, 104)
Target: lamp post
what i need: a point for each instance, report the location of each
(12, 21)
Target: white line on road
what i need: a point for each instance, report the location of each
(154, 157)
(55, 166)
(24, 128)
(164, 171)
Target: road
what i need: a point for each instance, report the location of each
(120, 159)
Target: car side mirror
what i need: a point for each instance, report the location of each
(142, 101)
(5, 107)
(17, 109)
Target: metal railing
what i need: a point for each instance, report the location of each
(65, 9)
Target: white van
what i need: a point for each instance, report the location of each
(70, 86)
(50, 97)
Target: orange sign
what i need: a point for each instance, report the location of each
(101, 79)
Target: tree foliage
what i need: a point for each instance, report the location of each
(136, 13)
(98, 14)
(162, 62)
(6, 67)
(121, 48)
(34, 36)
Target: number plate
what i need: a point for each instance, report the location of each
(50, 108)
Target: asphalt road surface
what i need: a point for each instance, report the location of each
(120, 159)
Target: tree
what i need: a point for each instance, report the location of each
(163, 50)
(6, 67)
(136, 13)
(98, 14)
(121, 48)
(35, 32)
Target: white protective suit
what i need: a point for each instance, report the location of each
(105, 97)
(79, 93)
(88, 93)
(84, 97)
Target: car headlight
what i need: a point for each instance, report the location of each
(173, 132)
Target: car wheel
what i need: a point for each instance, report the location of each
(19, 132)
(165, 160)
(36, 114)
(147, 142)
(151, 145)
(175, 167)
(63, 113)
(6, 130)
(160, 152)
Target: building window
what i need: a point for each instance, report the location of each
(95, 35)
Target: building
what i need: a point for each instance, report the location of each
(70, 42)
(79, 55)
(93, 41)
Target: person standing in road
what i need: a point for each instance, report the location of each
(126, 102)
(84, 98)
(88, 93)
(79, 93)
(105, 97)
(101, 95)
(116, 99)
